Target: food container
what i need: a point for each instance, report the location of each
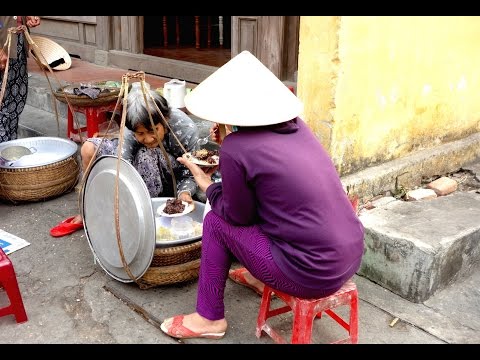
(183, 227)
(145, 260)
(178, 234)
(46, 167)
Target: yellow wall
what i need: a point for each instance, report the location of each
(376, 88)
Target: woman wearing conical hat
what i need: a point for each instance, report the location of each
(280, 208)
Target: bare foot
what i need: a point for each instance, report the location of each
(243, 277)
(77, 219)
(257, 284)
(198, 324)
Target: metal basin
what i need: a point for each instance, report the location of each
(35, 151)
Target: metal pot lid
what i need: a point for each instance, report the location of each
(136, 218)
(43, 150)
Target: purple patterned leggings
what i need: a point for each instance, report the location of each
(251, 247)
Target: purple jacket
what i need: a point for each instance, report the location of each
(283, 180)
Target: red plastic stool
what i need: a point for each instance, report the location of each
(94, 116)
(8, 280)
(306, 310)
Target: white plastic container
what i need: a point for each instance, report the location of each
(182, 227)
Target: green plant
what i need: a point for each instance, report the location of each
(400, 191)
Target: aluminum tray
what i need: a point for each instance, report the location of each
(137, 212)
(47, 150)
(136, 220)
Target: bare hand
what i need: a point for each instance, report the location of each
(215, 133)
(32, 21)
(185, 196)
(202, 176)
(3, 60)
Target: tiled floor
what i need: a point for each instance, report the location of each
(83, 71)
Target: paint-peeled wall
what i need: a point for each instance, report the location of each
(377, 88)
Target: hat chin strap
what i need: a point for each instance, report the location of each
(57, 62)
(222, 131)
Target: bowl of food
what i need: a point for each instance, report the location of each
(203, 157)
(170, 230)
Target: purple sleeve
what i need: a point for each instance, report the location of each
(232, 198)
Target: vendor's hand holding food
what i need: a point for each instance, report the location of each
(203, 157)
(187, 197)
(203, 176)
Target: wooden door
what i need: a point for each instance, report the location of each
(125, 33)
(272, 39)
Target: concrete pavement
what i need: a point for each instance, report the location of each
(69, 299)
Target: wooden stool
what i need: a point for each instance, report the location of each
(8, 281)
(306, 310)
(94, 115)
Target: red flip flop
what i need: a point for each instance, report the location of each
(66, 227)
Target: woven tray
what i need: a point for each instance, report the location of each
(39, 183)
(177, 254)
(165, 275)
(83, 100)
(172, 265)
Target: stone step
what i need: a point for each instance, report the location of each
(417, 248)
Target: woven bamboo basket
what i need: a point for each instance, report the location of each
(172, 265)
(83, 100)
(39, 183)
(176, 254)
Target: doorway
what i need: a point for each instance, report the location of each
(202, 40)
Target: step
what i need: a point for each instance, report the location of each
(37, 122)
(415, 248)
(40, 96)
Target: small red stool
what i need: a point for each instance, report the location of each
(94, 116)
(306, 310)
(8, 281)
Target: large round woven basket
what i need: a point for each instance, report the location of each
(172, 265)
(39, 183)
(83, 100)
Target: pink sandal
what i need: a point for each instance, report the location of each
(178, 331)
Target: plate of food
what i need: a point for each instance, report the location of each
(174, 208)
(203, 157)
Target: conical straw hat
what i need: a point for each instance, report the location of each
(53, 53)
(243, 92)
